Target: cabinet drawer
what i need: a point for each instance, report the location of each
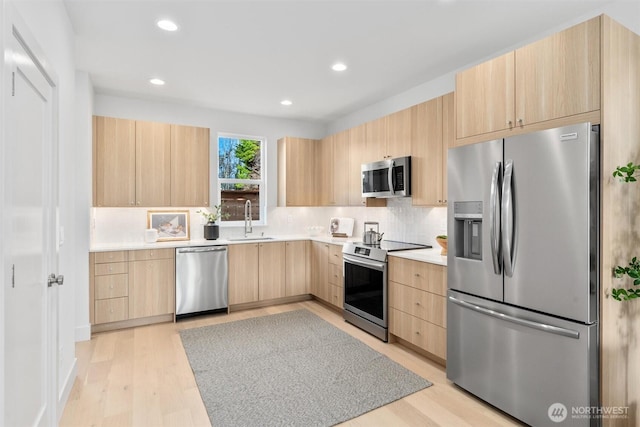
(112, 286)
(115, 256)
(110, 268)
(421, 304)
(147, 254)
(335, 254)
(335, 275)
(421, 275)
(112, 310)
(419, 332)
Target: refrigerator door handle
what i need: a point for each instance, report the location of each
(507, 218)
(494, 218)
(527, 323)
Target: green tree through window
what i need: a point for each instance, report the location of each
(240, 175)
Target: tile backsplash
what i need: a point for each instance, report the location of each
(399, 221)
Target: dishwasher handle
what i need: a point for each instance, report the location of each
(206, 249)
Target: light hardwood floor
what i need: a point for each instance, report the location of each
(141, 377)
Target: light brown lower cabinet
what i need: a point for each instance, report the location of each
(417, 304)
(265, 271)
(298, 273)
(326, 269)
(127, 285)
(243, 273)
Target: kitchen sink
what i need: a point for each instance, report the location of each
(240, 239)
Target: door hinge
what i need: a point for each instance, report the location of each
(13, 83)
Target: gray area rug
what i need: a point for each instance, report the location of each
(290, 369)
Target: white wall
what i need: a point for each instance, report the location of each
(49, 24)
(82, 174)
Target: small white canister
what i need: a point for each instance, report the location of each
(150, 235)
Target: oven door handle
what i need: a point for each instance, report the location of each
(380, 266)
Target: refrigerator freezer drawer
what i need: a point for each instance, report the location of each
(522, 362)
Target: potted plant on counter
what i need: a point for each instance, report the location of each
(211, 229)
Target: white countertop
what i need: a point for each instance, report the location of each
(424, 255)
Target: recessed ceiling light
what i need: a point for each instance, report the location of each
(157, 82)
(286, 102)
(339, 67)
(167, 25)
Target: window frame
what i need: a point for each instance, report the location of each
(262, 182)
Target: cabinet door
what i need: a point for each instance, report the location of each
(297, 268)
(320, 270)
(153, 164)
(114, 161)
(426, 154)
(151, 288)
(485, 97)
(340, 168)
(448, 136)
(376, 140)
(357, 155)
(189, 166)
(399, 134)
(271, 270)
(243, 273)
(559, 76)
(325, 171)
(297, 159)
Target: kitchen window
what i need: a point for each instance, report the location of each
(241, 177)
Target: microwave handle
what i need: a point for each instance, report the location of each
(391, 177)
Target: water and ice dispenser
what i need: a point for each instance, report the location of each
(468, 229)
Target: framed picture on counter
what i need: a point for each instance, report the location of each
(171, 225)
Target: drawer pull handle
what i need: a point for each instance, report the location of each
(417, 332)
(417, 302)
(417, 274)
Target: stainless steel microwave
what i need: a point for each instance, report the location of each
(387, 178)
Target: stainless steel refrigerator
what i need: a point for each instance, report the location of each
(523, 274)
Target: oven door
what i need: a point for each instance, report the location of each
(365, 289)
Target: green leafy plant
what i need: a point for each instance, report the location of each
(633, 271)
(212, 216)
(627, 173)
(442, 236)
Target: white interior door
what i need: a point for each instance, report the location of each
(30, 248)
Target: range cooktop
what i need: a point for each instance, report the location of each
(379, 251)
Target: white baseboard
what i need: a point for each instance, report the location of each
(67, 385)
(83, 333)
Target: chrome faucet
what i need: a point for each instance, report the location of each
(248, 228)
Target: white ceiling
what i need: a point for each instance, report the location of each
(246, 56)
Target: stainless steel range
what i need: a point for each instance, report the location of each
(365, 284)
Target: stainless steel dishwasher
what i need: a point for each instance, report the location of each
(202, 276)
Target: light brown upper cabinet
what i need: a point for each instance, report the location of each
(556, 77)
(388, 136)
(297, 158)
(138, 163)
(189, 166)
(431, 137)
(333, 173)
(114, 162)
(153, 160)
(357, 156)
(399, 134)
